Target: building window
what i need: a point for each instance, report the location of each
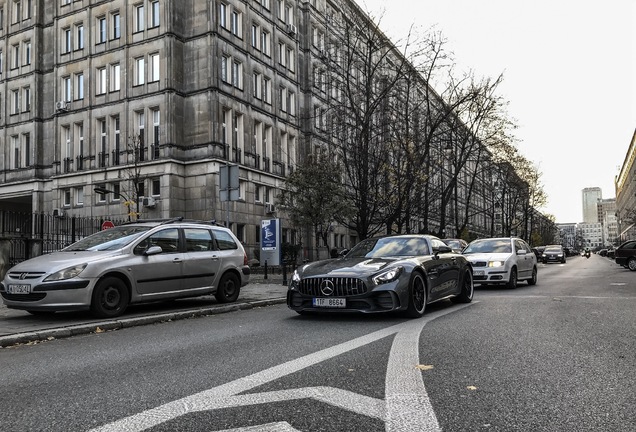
(116, 20)
(115, 77)
(26, 145)
(223, 15)
(27, 52)
(103, 144)
(156, 187)
(140, 72)
(154, 13)
(156, 117)
(283, 99)
(140, 23)
(16, 12)
(67, 88)
(66, 197)
(101, 81)
(291, 103)
(141, 136)
(267, 90)
(79, 195)
(15, 102)
(117, 141)
(237, 74)
(225, 64)
(257, 83)
(236, 24)
(255, 33)
(79, 86)
(265, 42)
(154, 67)
(26, 96)
(16, 57)
(79, 31)
(101, 28)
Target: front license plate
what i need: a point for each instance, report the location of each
(330, 302)
(19, 289)
(478, 273)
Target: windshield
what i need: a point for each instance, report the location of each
(110, 239)
(389, 247)
(553, 249)
(489, 246)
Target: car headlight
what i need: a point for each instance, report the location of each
(388, 275)
(295, 277)
(495, 263)
(66, 273)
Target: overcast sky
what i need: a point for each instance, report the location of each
(569, 72)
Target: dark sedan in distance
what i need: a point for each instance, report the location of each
(384, 274)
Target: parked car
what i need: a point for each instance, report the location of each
(625, 255)
(553, 253)
(457, 245)
(502, 261)
(132, 263)
(384, 274)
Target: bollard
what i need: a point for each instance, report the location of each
(265, 270)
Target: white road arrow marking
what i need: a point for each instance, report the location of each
(406, 408)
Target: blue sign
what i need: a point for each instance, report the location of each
(269, 234)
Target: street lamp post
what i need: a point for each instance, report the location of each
(104, 191)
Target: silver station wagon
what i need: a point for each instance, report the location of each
(136, 262)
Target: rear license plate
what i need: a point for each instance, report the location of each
(330, 302)
(478, 273)
(19, 289)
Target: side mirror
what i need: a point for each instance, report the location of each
(442, 249)
(153, 250)
(343, 252)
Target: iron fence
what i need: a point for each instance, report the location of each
(32, 234)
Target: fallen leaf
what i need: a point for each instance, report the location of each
(99, 330)
(471, 388)
(424, 367)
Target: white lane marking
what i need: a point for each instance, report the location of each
(407, 404)
(269, 427)
(224, 396)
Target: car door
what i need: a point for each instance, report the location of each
(525, 261)
(446, 269)
(202, 259)
(158, 275)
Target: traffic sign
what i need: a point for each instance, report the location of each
(107, 224)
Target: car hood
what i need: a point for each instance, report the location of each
(346, 267)
(487, 257)
(60, 260)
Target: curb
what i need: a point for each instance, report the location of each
(100, 326)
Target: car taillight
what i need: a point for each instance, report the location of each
(244, 258)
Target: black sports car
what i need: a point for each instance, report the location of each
(384, 274)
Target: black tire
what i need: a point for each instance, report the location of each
(467, 289)
(417, 296)
(533, 279)
(228, 289)
(512, 282)
(110, 298)
(631, 264)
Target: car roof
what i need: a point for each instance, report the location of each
(176, 220)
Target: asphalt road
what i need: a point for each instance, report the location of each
(558, 356)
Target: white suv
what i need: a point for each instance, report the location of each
(136, 262)
(502, 261)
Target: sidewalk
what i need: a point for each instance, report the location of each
(21, 327)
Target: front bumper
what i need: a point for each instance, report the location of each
(71, 295)
(488, 275)
(373, 302)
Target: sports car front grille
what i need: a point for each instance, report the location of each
(342, 287)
